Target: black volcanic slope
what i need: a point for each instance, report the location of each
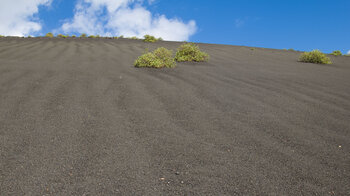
(76, 118)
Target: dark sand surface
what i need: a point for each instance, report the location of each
(76, 118)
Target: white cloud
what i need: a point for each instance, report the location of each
(17, 16)
(349, 52)
(239, 22)
(125, 17)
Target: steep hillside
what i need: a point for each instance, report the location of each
(77, 118)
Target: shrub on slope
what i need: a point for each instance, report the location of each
(49, 35)
(159, 58)
(190, 52)
(150, 38)
(61, 36)
(315, 56)
(336, 53)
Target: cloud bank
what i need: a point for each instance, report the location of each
(125, 17)
(17, 16)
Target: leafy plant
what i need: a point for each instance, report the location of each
(150, 38)
(315, 56)
(61, 36)
(92, 36)
(83, 35)
(159, 58)
(336, 53)
(49, 35)
(190, 52)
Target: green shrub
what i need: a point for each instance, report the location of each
(122, 36)
(1, 36)
(149, 38)
(291, 49)
(83, 35)
(61, 36)
(160, 39)
(336, 53)
(74, 36)
(134, 37)
(159, 58)
(92, 36)
(49, 35)
(190, 52)
(315, 56)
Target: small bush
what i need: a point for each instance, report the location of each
(160, 39)
(1, 36)
(61, 36)
(83, 35)
(92, 36)
(134, 37)
(149, 38)
(122, 36)
(190, 52)
(315, 56)
(291, 49)
(74, 36)
(336, 53)
(160, 58)
(49, 35)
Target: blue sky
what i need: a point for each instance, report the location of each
(298, 24)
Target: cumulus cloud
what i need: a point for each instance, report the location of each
(17, 16)
(125, 17)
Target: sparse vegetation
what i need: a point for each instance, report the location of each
(83, 35)
(150, 38)
(315, 56)
(190, 52)
(159, 58)
(74, 36)
(336, 53)
(49, 35)
(134, 37)
(1, 36)
(61, 36)
(92, 36)
(291, 49)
